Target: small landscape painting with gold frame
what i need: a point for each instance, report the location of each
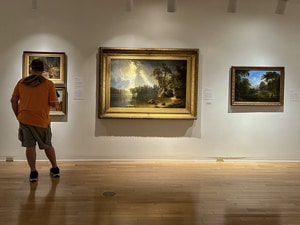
(54, 63)
(148, 83)
(257, 86)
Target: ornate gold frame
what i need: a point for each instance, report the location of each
(146, 58)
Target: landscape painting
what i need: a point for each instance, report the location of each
(257, 86)
(148, 83)
(161, 84)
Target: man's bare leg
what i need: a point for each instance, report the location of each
(50, 153)
(31, 157)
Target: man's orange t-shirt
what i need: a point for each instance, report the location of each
(34, 107)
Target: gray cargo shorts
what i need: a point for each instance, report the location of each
(30, 135)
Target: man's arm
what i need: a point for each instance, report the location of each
(14, 104)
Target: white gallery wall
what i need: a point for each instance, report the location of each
(253, 36)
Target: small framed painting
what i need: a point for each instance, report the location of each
(54, 63)
(257, 86)
(61, 109)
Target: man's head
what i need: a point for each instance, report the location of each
(37, 65)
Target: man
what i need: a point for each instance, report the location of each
(31, 101)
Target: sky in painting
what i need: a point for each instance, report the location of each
(128, 73)
(256, 75)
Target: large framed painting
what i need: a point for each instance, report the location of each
(257, 86)
(148, 83)
(54, 63)
(61, 109)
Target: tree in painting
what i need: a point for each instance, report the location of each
(171, 84)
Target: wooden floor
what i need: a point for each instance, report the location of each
(151, 193)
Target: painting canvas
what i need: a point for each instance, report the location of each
(61, 109)
(257, 86)
(148, 83)
(54, 63)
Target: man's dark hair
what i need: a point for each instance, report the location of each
(37, 65)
